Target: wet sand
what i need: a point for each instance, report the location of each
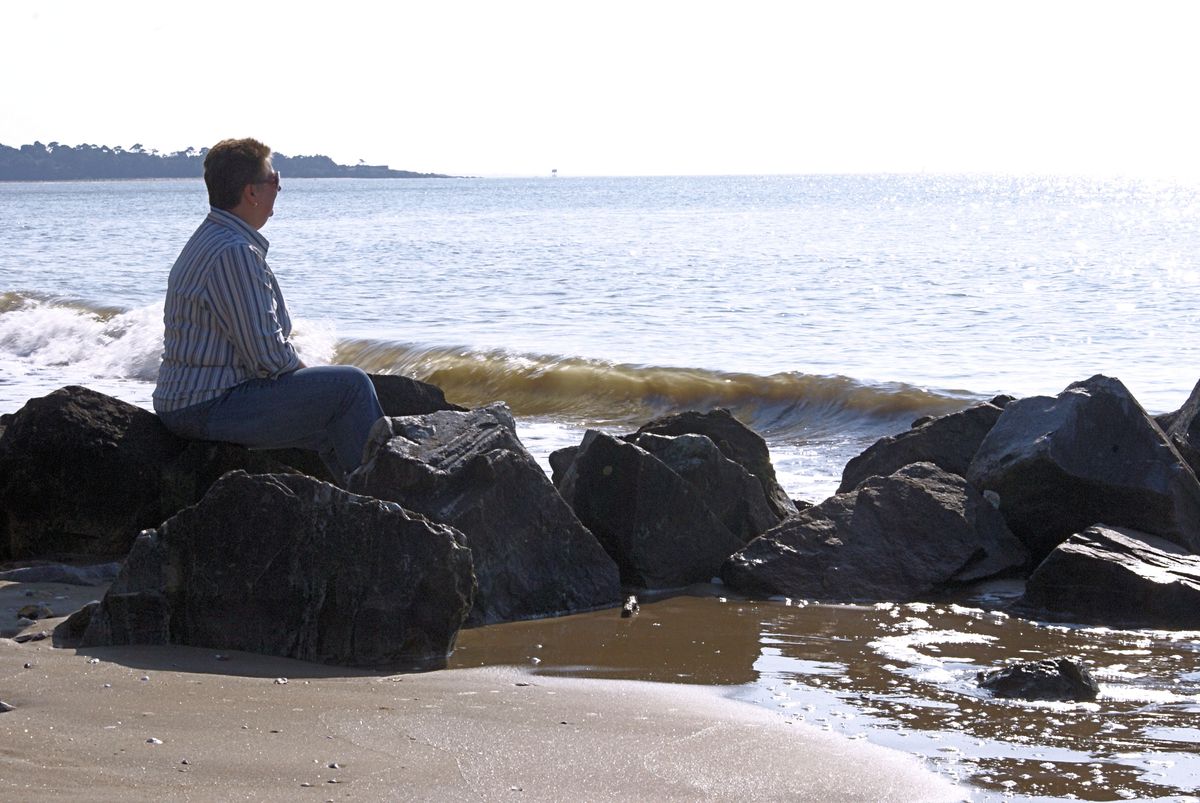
(178, 723)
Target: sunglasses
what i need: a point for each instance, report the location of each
(271, 179)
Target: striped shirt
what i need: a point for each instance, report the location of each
(225, 318)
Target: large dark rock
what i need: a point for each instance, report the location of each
(734, 495)
(736, 441)
(655, 524)
(949, 441)
(560, 461)
(287, 565)
(401, 395)
(894, 538)
(1089, 455)
(469, 470)
(1116, 577)
(82, 473)
(1051, 679)
(1183, 429)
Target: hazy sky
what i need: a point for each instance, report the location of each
(621, 88)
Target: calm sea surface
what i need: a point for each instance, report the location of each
(825, 311)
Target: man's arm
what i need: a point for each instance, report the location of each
(243, 301)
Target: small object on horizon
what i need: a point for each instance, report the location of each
(554, 173)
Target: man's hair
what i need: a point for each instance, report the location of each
(230, 165)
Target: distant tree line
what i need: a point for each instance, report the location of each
(56, 162)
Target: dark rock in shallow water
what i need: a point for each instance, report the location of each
(948, 441)
(532, 555)
(893, 538)
(1116, 577)
(736, 441)
(290, 566)
(654, 524)
(1051, 679)
(1087, 456)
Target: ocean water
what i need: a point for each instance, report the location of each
(824, 311)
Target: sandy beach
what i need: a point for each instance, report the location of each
(181, 723)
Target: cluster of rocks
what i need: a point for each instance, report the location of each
(1103, 496)
(1092, 500)
(450, 522)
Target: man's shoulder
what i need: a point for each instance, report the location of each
(214, 247)
(217, 238)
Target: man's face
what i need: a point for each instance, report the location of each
(265, 191)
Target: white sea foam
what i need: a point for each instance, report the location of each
(315, 341)
(907, 648)
(1141, 694)
(40, 335)
(117, 353)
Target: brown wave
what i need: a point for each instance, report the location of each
(598, 393)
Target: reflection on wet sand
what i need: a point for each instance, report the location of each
(904, 676)
(675, 640)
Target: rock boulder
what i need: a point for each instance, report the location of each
(733, 494)
(1051, 679)
(469, 470)
(948, 441)
(290, 566)
(736, 441)
(655, 524)
(402, 395)
(82, 473)
(1183, 429)
(1089, 455)
(894, 538)
(1118, 577)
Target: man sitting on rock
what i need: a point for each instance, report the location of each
(229, 371)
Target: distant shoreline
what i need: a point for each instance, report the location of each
(56, 162)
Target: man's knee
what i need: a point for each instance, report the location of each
(359, 379)
(348, 376)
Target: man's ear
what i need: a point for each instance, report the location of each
(249, 196)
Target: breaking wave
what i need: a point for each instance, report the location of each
(45, 335)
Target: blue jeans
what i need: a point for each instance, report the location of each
(329, 409)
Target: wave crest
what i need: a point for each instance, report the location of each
(41, 335)
(600, 393)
